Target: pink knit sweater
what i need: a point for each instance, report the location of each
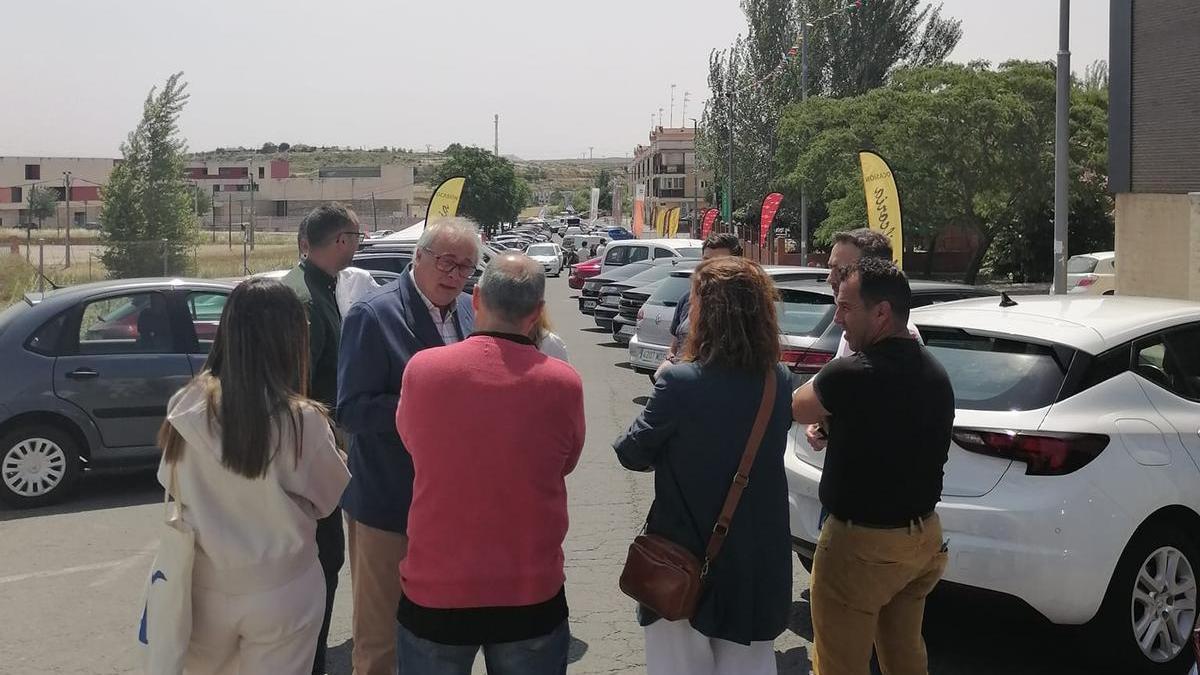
(493, 427)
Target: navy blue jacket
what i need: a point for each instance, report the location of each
(379, 336)
(692, 435)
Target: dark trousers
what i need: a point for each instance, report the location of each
(331, 551)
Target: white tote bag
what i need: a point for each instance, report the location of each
(166, 626)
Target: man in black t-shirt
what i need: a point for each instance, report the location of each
(889, 411)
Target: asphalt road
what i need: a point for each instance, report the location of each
(71, 576)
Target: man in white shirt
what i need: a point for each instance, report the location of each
(848, 248)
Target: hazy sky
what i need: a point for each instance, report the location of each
(563, 74)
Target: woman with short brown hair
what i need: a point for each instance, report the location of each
(692, 434)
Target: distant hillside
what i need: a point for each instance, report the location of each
(545, 176)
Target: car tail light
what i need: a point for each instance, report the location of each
(805, 361)
(1044, 453)
(1086, 281)
(641, 313)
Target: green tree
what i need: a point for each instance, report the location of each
(202, 199)
(581, 201)
(148, 207)
(493, 193)
(604, 179)
(851, 51)
(971, 146)
(42, 204)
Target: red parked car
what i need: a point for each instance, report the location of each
(582, 271)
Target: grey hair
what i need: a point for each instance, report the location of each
(512, 291)
(454, 229)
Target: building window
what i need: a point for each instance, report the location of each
(17, 196)
(33, 172)
(262, 172)
(281, 208)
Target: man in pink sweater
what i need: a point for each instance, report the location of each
(493, 426)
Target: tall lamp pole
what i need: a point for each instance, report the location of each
(695, 177)
(1061, 150)
(804, 26)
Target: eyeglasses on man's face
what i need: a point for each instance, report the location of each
(361, 236)
(447, 263)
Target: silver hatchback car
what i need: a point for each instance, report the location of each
(88, 373)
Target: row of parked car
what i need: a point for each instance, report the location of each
(1073, 479)
(92, 366)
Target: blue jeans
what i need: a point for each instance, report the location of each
(544, 655)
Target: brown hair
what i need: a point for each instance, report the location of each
(732, 316)
(256, 375)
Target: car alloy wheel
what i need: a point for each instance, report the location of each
(33, 467)
(1163, 607)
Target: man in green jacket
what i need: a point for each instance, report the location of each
(331, 235)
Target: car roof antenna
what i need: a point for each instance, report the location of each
(1006, 301)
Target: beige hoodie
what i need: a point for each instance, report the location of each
(253, 534)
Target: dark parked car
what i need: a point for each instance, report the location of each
(90, 370)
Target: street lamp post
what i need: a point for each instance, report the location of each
(804, 26)
(1061, 147)
(695, 177)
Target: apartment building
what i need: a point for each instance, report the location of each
(20, 175)
(279, 199)
(267, 188)
(668, 170)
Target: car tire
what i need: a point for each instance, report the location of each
(39, 466)
(1159, 546)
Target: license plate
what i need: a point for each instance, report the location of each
(653, 355)
(589, 304)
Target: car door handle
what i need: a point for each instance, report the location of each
(83, 374)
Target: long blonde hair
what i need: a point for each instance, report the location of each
(541, 329)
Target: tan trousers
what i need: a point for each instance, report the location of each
(375, 557)
(269, 631)
(869, 588)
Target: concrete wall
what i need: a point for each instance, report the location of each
(1158, 245)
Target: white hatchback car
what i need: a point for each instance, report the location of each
(1092, 273)
(549, 255)
(1072, 480)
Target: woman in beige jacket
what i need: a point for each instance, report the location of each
(254, 465)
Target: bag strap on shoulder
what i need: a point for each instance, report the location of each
(742, 478)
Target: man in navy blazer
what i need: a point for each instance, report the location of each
(424, 308)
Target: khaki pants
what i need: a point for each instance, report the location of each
(869, 587)
(375, 557)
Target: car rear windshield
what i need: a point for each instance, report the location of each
(670, 291)
(1081, 265)
(995, 373)
(541, 249)
(803, 313)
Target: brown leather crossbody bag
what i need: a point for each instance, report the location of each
(667, 577)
